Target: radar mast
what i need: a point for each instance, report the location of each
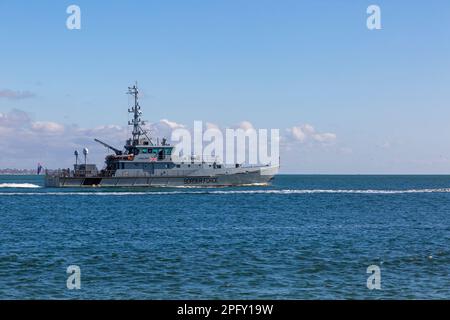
(136, 122)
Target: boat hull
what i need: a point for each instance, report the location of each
(236, 179)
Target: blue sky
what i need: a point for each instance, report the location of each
(278, 64)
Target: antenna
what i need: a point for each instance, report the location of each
(85, 152)
(76, 157)
(136, 111)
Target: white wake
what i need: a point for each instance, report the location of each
(225, 192)
(18, 185)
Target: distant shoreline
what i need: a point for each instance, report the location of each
(17, 172)
(20, 174)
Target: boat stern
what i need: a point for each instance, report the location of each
(52, 181)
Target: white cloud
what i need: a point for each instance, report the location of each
(245, 125)
(14, 118)
(171, 124)
(47, 127)
(297, 133)
(163, 129)
(325, 137)
(209, 125)
(307, 133)
(25, 141)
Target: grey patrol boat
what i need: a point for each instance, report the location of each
(143, 163)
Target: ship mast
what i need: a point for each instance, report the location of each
(136, 111)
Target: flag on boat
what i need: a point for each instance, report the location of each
(39, 168)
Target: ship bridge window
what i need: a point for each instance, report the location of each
(144, 150)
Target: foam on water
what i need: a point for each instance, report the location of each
(18, 185)
(225, 192)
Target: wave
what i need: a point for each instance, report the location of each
(212, 192)
(19, 185)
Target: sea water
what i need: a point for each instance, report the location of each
(303, 237)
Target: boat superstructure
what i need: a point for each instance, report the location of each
(144, 162)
